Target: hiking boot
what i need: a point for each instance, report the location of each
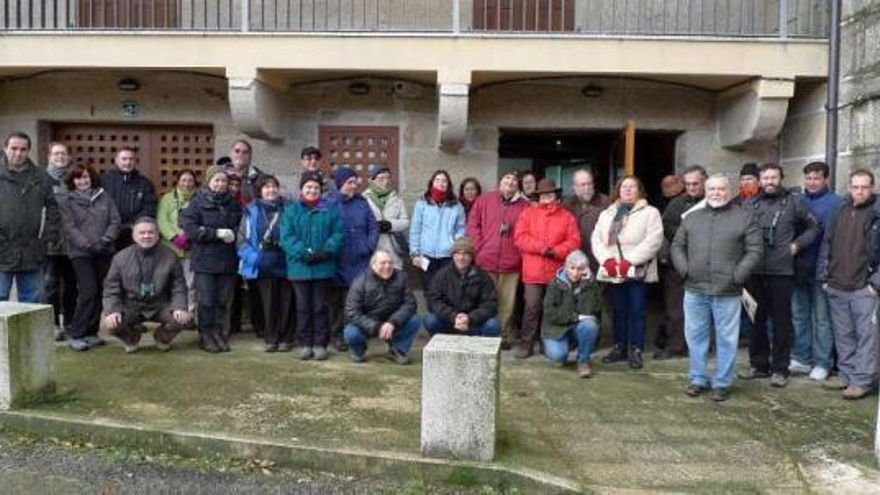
(835, 383)
(222, 343)
(752, 374)
(269, 347)
(78, 344)
(207, 344)
(584, 370)
(305, 353)
(778, 380)
(797, 367)
(505, 345)
(819, 374)
(635, 358)
(695, 390)
(339, 345)
(285, 347)
(94, 340)
(855, 392)
(59, 334)
(320, 353)
(720, 394)
(398, 357)
(355, 357)
(617, 354)
(523, 352)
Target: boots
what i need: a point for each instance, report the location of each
(617, 354)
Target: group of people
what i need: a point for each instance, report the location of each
(324, 260)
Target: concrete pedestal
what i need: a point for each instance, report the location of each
(460, 384)
(27, 353)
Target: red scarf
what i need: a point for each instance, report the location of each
(311, 203)
(438, 195)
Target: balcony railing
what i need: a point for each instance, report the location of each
(674, 18)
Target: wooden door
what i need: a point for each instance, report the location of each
(360, 147)
(622, 159)
(145, 14)
(523, 15)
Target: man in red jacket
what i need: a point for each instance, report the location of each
(491, 225)
(545, 233)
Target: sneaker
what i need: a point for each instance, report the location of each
(695, 390)
(855, 392)
(635, 358)
(523, 352)
(617, 354)
(752, 374)
(835, 383)
(584, 370)
(267, 347)
(720, 394)
(78, 344)
(397, 356)
(94, 340)
(778, 380)
(306, 353)
(162, 346)
(285, 347)
(130, 348)
(355, 357)
(320, 353)
(819, 374)
(798, 367)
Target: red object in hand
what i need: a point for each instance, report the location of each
(624, 266)
(610, 266)
(181, 241)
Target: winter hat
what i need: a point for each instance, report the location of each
(376, 170)
(214, 170)
(750, 168)
(311, 176)
(464, 245)
(342, 174)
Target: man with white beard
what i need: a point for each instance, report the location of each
(714, 251)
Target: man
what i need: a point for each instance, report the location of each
(29, 219)
(749, 185)
(380, 304)
(671, 187)
(59, 279)
(132, 193)
(462, 298)
(145, 283)
(491, 225)
(673, 285)
(813, 337)
(717, 235)
(586, 204)
(849, 271)
(240, 157)
(309, 161)
(787, 227)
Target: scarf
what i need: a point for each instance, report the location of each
(380, 194)
(83, 198)
(217, 198)
(749, 191)
(56, 173)
(310, 203)
(623, 210)
(439, 196)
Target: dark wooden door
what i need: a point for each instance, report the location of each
(360, 147)
(144, 14)
(523, 15)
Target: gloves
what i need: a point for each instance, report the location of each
(226, 235)
(549, 253)
(384, 226)
(97, 248)
(316, 257)
(610, 266)
(624, 267)
(181, 241)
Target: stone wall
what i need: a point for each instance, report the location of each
(803, 137)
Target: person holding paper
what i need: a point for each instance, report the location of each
(714, 251)
(438, 219)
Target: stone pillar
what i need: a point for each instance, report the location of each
(27, 353)
(460, 382)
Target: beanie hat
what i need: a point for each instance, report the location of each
(311, 176)
(214, 170)
(750, 168)
(342, 174)
(465, 245)
(376, 170)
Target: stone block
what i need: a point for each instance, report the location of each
(27, 353)
(460, 385)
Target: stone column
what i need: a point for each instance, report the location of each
(460, 383)
(27, 353)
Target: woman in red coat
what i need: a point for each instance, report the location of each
(545, 233)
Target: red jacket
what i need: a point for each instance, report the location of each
(496, 252)
(541, 227)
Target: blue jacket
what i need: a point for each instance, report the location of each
(260, 255)
(307, 230)
(361, 237)
(823, 205)
(434, 227)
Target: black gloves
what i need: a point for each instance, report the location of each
(317, 257)
(549, 253)
(384, 226)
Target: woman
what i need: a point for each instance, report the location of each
(626, 240)
(170, 206)
(312, 236)
(211, 221)
(545, 233)
(438, 219)
(90, 224)
(262, 259)
(572, 308)
(390, 212)
(468, 192)
(528, 183)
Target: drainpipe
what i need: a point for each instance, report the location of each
(831, 106)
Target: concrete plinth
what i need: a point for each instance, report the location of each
(460, 383)
(27, 353)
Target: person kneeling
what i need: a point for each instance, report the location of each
(145, 283)
(462, 298)
(380, 303)
(572, 308)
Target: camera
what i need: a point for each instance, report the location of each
(504, 230)
(148, 290)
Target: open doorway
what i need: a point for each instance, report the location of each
(557, 153)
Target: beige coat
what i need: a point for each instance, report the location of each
(395, 212)
(640, 240)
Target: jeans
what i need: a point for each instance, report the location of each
(629, 302)
(700, 313)
(813, 336)
(402, 339)
(26, 282)
(490, 328)
(584, 333)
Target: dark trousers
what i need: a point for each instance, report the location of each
(59, 287)
(533, 295)
(312, 326)
(254, 303)
(90, 273)
(214, 291)
(629, 301)
(673, 297)
(336, 308)
(129, 331)
(276, 295)
(773, 294)
(433, 267)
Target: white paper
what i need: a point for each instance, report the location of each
(423, 263)
(749, 304)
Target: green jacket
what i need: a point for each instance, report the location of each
(563, 303)
(307, 230)
(170, 206)
(29, 217)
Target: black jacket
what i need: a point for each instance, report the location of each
(29, 217)
(56, 248)
(783, 219)
(90, 225)
(872, 243)
(716, 249)
(452, 293)
(201, 219)
(133, 194)
(373, 301)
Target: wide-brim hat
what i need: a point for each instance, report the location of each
(546, 186)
